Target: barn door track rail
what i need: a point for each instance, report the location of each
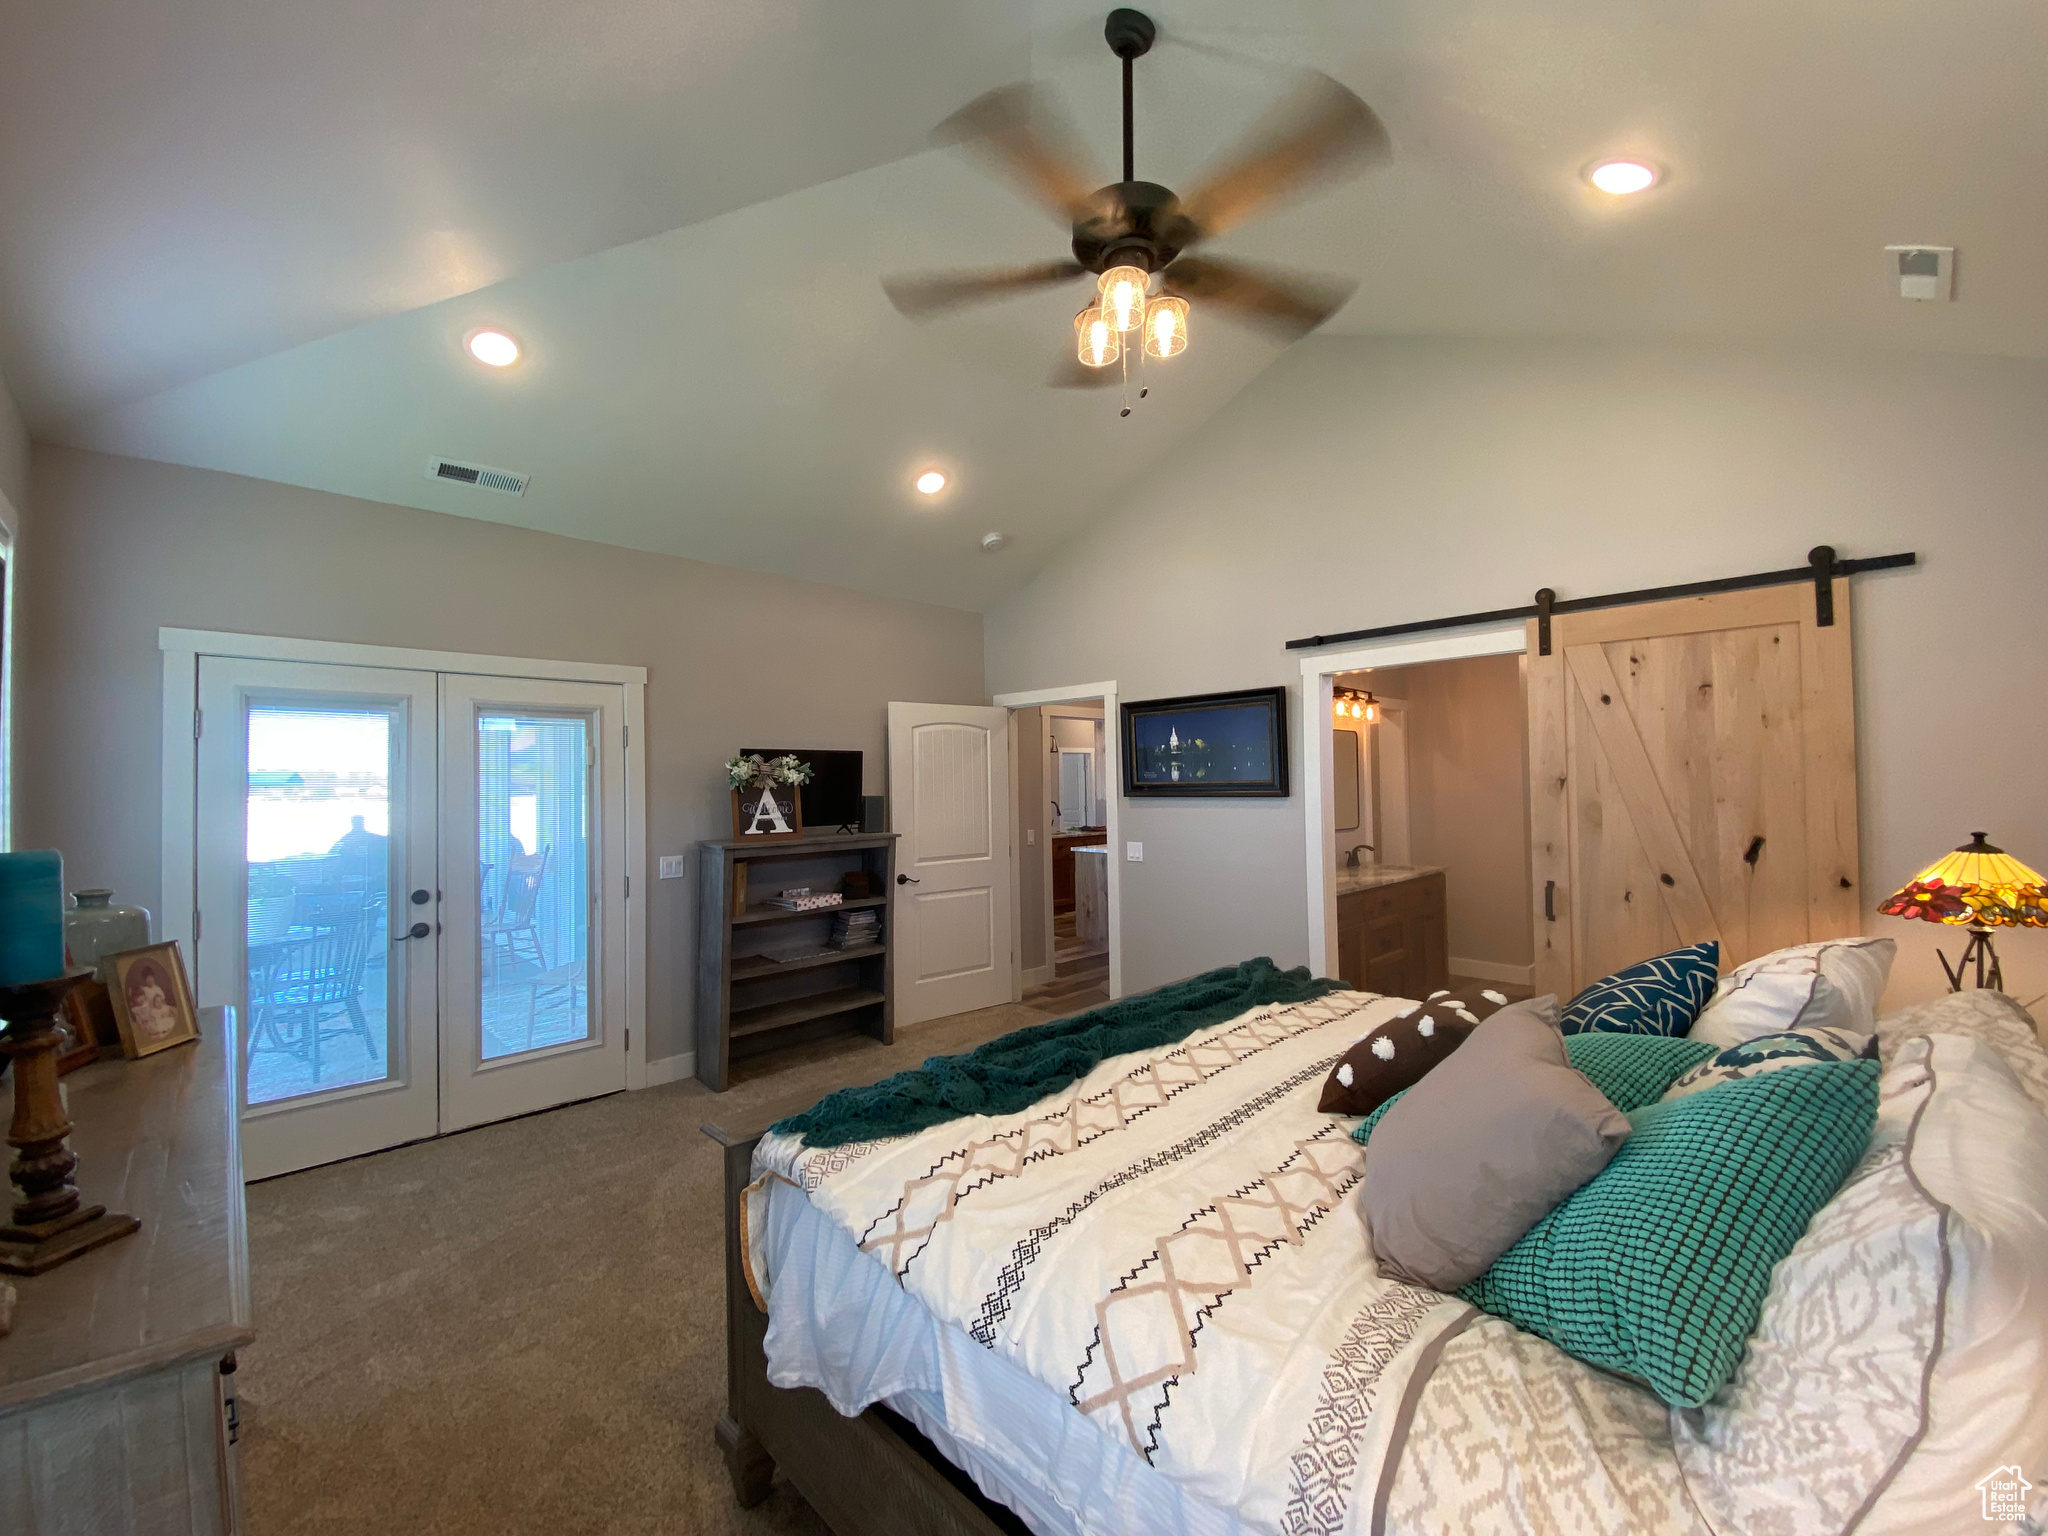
(1821, 568)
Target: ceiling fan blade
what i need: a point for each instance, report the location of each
(1322, 132)
(922, 296)
(1071, 373)
(1025, 136)
(1288, 304)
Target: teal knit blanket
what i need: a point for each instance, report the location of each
(1018, 1069)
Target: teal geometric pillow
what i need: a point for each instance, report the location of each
(1658, 997)
(1362, 1132)
(1634, 1070)
(1658, 1267)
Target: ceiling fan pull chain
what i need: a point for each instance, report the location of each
(1124, 363)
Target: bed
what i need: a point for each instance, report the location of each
(1146, 1304)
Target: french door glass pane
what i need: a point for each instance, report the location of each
(318, 850)
(533, 876)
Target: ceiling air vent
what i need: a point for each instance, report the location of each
(480, 477)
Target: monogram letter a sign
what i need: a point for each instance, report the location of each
(772, 811)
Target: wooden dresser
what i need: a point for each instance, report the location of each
(116, 1385)
(1393, 931)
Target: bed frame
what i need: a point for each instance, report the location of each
(874, 1475)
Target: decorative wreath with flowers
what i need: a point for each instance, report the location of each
(751, 770)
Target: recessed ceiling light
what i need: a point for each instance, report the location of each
(493, 347)
(931, 482)
(1621, 177)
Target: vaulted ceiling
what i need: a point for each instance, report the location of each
(252, 236)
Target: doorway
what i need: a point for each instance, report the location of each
(1441, 800)
(1691, 772)
(412, 884)
(1069, 880)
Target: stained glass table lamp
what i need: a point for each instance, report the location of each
(1977, 887)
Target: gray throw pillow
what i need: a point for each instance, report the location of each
(1483, 1148)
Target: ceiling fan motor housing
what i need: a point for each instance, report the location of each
(1129, 33)
(1136, 223)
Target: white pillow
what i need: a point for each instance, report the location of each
(1902, 1353)
(1834, 984)
(1771, 1053)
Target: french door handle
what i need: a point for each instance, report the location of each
(908, 880)
(416, 931)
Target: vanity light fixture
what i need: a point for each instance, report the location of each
(1352, 704)
(931, 482)
(493, 348)
(1623, 177)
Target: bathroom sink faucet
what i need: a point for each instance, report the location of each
(1351, 858)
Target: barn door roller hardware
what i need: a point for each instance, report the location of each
(1821, 569)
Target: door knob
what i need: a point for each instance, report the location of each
(907, 880)
(416, 931)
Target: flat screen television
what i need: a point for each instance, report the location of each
(831, 801)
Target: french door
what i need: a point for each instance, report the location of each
(410, 886)
(533, 795)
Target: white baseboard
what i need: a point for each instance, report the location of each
(671, 1069)
(1037, 976)
(1482, 970)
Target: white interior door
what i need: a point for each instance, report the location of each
(1077, 794)
(534, 895)
(949, 797)
(316, 862)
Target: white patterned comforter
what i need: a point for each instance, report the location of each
(1167, 1250)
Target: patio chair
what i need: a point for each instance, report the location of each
(524, 873)
(320, 976)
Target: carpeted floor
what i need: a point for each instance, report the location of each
(520, 1328)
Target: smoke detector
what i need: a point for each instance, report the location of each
(1923, 272)
(478, 477)
(994, 541)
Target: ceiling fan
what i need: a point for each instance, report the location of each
(1131, 234)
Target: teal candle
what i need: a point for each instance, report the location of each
(31, 916)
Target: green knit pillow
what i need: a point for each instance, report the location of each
(1634, 1070)
(1659, 1266)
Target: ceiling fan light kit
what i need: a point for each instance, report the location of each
(1131, 234)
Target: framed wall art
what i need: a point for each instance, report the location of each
(1207, 745)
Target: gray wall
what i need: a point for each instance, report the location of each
(121, 546)
(1362, 482)
(14, 452)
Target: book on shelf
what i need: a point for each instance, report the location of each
(814, 903)
(856, 930)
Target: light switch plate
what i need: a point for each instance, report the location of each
(671, 866)
(1134, 852)
(1031, 837)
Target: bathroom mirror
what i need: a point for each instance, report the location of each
(1346, 746)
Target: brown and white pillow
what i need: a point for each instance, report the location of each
(1400, 1052)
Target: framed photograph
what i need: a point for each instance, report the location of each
(87, 1017)
(1207, 744)
(152, 1000)
(770, 814)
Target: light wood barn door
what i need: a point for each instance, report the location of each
(1692, 776)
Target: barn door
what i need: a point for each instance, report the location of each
(1692, 776)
